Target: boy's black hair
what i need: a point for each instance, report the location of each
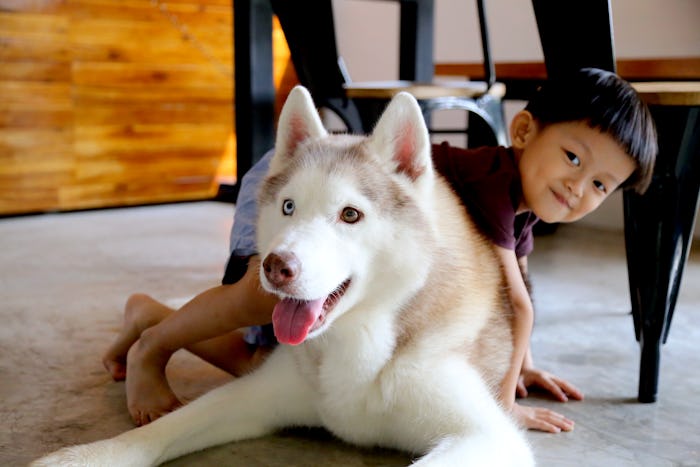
(608, 103)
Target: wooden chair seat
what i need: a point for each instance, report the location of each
(422, 91)
(476, 97)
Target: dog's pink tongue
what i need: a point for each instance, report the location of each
(292, 319)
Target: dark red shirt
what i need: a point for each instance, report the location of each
(488, 183)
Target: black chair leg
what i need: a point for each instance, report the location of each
(658, 232)
(255, 90)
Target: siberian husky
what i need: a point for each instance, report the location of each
(391, 316)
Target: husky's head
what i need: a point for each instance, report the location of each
(344, 220)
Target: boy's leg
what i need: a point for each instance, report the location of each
(140, 313)
(212, 314)
(230, 352)
(148, 393)
(206, 326)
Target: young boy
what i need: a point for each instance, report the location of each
(575, 143)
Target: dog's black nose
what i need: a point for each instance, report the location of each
(281, 268)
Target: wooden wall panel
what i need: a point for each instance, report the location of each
(36, 111)
(110, 103)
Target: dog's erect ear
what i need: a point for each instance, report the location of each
(401, 136)
(298, 122)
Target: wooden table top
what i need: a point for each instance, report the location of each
(680, 93)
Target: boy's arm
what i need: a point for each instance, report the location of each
(527, 363)
(522, 322)
(530, 417)
(531, 376)
(213, 313)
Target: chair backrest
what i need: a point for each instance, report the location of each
(575, 35)
(312, 45)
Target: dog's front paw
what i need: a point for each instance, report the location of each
(107, 453)
(73, 456)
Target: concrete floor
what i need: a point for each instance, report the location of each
(65, 278)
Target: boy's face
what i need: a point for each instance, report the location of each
(568, 169)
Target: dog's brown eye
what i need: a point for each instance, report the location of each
(350, 215)
(288, 207)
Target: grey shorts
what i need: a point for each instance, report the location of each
(244, 244)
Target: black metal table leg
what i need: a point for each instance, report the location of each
(254, 86)
(658, 232)
(416, 40)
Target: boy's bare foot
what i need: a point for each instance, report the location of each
(148, 394)
(140, 313)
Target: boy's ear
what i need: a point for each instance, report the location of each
(522, 129)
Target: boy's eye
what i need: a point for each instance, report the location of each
(600, 186)
(573, 158)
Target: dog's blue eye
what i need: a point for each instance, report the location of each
(350, 215)
(288, 207)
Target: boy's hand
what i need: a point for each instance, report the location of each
(561, 389)
(537, 418)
